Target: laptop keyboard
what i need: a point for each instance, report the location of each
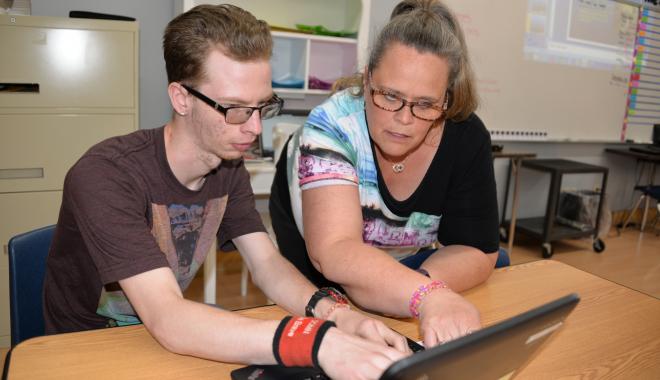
(414, 346)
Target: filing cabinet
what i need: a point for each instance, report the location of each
(65, 85)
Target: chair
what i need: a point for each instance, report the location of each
(648, 192)
(27, 266)
(503, 259)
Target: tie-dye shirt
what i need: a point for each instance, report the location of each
(454, 204)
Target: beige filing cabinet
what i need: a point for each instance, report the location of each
(65, 84)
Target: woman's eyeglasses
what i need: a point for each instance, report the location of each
(424, 110)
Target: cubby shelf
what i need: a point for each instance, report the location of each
(299, 56)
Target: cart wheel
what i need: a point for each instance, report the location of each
(599, 245)
(503, 235)
(546, 250)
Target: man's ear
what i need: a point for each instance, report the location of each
(178, 97)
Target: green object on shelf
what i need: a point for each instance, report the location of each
(323, 31)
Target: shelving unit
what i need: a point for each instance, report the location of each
(303, 56)
(546, 228)
(299, 56)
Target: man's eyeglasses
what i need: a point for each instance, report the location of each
(424, 110)
(240, 114)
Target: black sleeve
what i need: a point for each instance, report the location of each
(470, 214)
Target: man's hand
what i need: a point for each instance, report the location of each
(345, 356)
(445, 315)
(353, 322)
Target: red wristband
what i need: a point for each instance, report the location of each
(297, 341)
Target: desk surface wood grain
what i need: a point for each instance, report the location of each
(613, 333)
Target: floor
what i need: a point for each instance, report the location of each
(631, 259)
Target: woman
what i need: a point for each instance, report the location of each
(396, 170)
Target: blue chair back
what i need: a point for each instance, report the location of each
(503, 259)
(27, 266)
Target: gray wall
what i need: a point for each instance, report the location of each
(153, 16)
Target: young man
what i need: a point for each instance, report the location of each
(140, 211)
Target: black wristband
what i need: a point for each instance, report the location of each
(317, 341)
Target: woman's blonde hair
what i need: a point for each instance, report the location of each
(429, 27)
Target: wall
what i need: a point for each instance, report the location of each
(153, 16)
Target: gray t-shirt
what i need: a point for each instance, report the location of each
(124, 213)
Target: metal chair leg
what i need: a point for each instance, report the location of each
(632, 211)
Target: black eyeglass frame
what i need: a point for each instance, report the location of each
(407, 103)
(223, 110)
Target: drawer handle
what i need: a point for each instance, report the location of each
(19, 87)
(21, 173)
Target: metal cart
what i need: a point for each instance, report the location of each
(546, 227)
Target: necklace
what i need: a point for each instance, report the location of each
(398, 167)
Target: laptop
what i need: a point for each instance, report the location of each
(499, 351)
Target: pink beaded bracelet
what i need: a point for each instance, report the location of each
(420, 293)
(334, 307)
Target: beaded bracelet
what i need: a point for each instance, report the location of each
(334, 307)
(420, 293)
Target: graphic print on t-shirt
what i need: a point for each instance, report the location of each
(184, 234)
(418, 230)
(186, 223)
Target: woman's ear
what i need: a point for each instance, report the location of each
(178, 97)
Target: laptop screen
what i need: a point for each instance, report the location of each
(495, 352)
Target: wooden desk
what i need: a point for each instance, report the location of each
(515, 162)
(614, 332)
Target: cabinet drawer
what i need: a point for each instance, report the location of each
(36, 151)
(23, 212)
(73, 67)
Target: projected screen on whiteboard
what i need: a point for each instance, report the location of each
(585, 33)
(550, 69)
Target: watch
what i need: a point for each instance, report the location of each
(333, 293)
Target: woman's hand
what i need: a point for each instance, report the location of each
(353, 322)
(445, 315)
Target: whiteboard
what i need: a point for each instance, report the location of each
(527, 98)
